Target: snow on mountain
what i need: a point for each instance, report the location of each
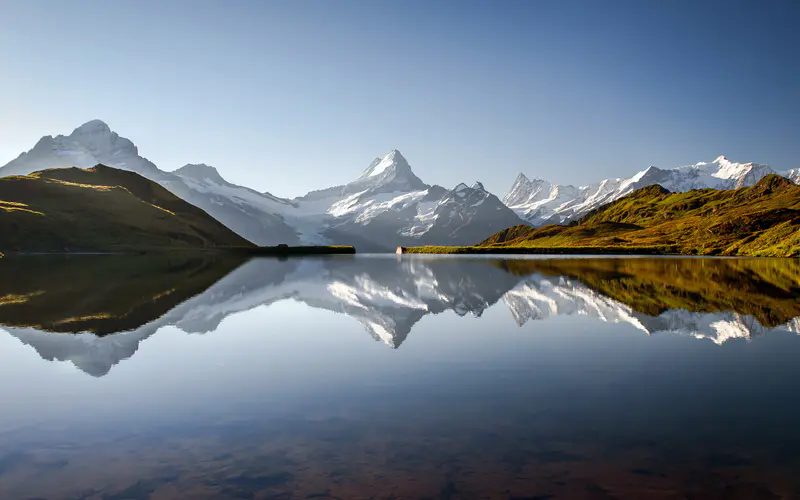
(792, 174)
(390, 173)
(90, 144)
(540, 202)
(386, 206)
(254, 216)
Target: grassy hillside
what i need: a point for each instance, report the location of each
(766, 289)
(101, 209)
(103, 293)
(762, 220)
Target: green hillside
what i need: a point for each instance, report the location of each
(101, 209)
(762, 220)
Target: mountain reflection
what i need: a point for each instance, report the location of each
(95, 310)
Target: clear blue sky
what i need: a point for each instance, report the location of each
(289, 96)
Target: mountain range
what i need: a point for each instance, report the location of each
(762, 220)
(94, 311)
(387, 205)
(540, 202)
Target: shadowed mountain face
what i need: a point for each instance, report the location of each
(386, 206)
(101, 209)
(94, 311)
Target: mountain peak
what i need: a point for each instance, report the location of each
(721, 159)
(92, 127)
(524, 180)
(478, 186)
(200, 172)
(396, 155)
(390, 171)
(393, 161)
(98, 138)
(521, 178)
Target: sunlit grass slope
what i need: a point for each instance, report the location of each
(101, 209)
(762, 220)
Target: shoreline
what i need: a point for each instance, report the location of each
(476, 250)
(283, 250)
(277, 251)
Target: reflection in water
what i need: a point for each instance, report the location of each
(132, 297)
(108, 303)
(552, 393)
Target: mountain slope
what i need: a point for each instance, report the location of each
(760, 220)
(540, 202)
(101, 209)
(252, 215)
(386, 206)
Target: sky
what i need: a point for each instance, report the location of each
(290, 96)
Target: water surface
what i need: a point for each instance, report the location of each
(399, 377)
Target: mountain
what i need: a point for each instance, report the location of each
(116, 302)
(761, 220)
(252, 215)
(539, 202)
(386, 206)
(389, 206)
(101, 209)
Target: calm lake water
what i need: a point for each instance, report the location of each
(399, 377)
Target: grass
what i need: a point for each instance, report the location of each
(521, 249)
(762, 220)
(101, 209)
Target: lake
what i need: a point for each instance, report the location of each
(399, 377)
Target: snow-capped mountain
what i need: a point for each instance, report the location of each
(389, 205)
(388, 296)
(252, 215)
(386, 206)
(540, 202)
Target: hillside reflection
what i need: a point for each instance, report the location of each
(95, 310)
